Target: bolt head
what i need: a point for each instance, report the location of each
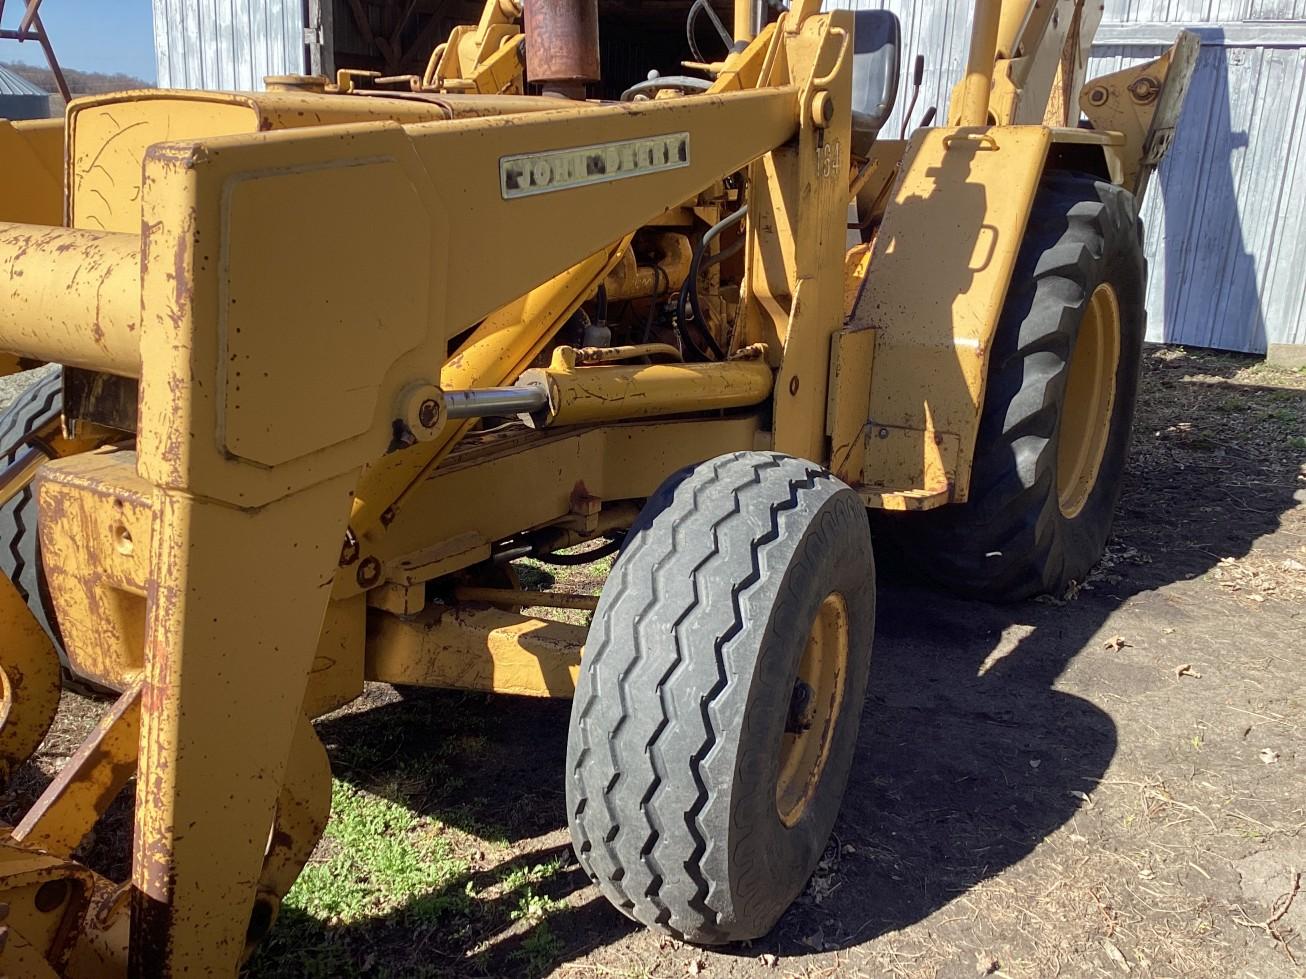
(421, 412)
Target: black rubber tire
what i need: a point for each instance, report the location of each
(690, 666)
(1010, 540)
(20, 546)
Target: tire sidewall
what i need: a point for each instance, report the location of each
(768, 860)
(1088, 530)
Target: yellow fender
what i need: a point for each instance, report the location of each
(29, 680)
(932, 294)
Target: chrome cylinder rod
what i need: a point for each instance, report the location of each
(483, 402)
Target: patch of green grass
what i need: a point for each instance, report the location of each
(381, 857)
(581, 579)
(539, 950)
(392, 893)
(531, 904)
(1286, 415)
(378, 862)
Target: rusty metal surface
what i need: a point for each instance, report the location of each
(89, 781)
(71, 296)
(562, 42)
(29, 680)
(581, 395)
(96, 538)
(44, 898)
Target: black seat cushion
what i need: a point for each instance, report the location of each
(877, 40)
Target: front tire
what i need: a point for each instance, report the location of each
(1058, 406)
(716, 714)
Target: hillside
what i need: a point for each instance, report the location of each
(79, 82)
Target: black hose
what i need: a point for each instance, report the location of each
(723, 254)
(689, 291)
(584, 557)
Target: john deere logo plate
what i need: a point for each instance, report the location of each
(541, 173)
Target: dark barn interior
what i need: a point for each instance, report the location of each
(395, 37)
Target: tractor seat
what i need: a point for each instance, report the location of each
(877, 40)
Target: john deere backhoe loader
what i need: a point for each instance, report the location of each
(332, 356)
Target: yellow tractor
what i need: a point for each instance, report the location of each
(332, 356)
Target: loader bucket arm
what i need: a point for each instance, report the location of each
(1143, 103)
(283, 346)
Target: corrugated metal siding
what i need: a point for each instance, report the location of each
(1226, 235)
(1201, 11)
(227, 44)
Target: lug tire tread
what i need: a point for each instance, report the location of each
(644, 843)
(1009, 541)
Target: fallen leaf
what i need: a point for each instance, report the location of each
(1256, 598)
(1115, 954)
(986, 965)
(696, 967)
(1269, 756)
(1035, 762)
(1168, 631)
(1115, 643)
(1187, 670)
(1291, 564)
(1083, 797)
(767, 959)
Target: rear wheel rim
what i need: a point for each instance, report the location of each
(1089, 400)
(814, 710)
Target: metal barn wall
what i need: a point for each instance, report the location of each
(1226, 239)
(1225, 219)
(227, 44)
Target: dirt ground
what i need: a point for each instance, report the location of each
(1109, 783)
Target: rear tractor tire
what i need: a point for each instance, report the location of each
(1058, 406)
(36, 407)
(716, 714)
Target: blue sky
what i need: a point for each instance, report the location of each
(89, 35)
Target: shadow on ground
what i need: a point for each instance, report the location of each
(969, 754)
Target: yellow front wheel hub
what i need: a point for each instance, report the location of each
(814, 709)
(1089, 400)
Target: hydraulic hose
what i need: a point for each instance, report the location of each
(689, 291)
